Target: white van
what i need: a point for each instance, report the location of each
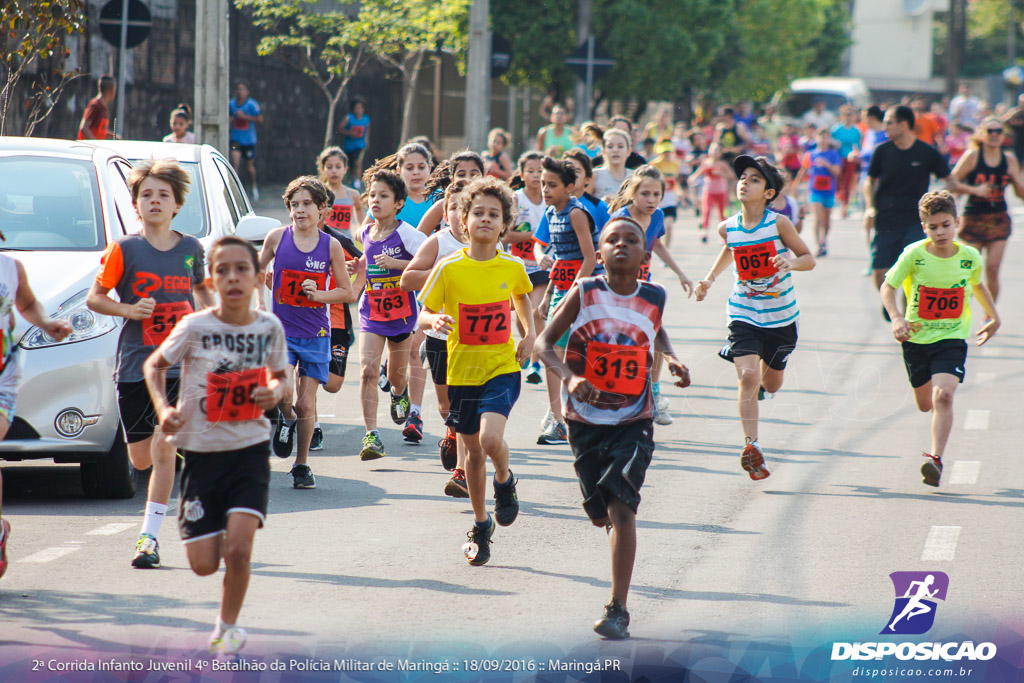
(834, 91)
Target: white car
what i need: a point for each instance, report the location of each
(61, 203)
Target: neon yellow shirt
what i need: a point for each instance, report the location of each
(477, 295)
(929, 282)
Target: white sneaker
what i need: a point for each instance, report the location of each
(228, 642)
(255, 193)
(661, 402)
(661, 416)
(546, 422)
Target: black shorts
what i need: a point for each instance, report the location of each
(946, 356)
(248, 151)
(888, 244)
(540, 278)
(397, 338)
(669, 211)
(772, 344)
(138, 418)
(213, 485)
(611, 462)
(468, 403)
(437, 359)
(341, 342)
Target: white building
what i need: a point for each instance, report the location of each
(892, 44)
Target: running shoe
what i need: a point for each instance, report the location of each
(822, 251)
(147, 553)
(506, 502)
(932, 470)
(228, 642)
(548, 419)
(255, 193)
(553, 434)
(763, 395)
(413, 431)
(662, 416)
(400, 407)
(317, 443)
(456, 486)
(752, 460)
(614, 625)
(534, 376)
(284, 439)
(5, 527)
(302, 477)
(382, 381)
(477, 548)
(373, 447)
(449, 452)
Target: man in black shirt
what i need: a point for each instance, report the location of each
(898, 176)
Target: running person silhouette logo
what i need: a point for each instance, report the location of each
(916, 593)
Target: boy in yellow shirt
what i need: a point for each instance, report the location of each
(467, 296)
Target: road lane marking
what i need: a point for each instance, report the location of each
(988, 350)
(964, 472)
(111, 529)
(985, 378)
(51, 554)
(976, 419)
(941, 543)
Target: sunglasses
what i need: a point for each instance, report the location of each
(994, 131)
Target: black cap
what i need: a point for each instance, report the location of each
(745, 161)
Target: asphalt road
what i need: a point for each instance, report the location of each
(370, 561)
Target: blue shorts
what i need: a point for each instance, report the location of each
(826, 199)
(468, 403)
(312, 355)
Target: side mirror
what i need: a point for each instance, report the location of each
(255, 228)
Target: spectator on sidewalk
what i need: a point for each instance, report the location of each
(245, 114)
(96, 119)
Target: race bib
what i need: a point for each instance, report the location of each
(239, 123)
(524, 249)
(645, 272)
(617, 369)
(754, 261)
(822, 183)
(229, 395)
(165, 316)
(291, 293)
(389, 303)
(937, 303)
(340, 217)
(485, 323)
(357, 130)
(563, 273)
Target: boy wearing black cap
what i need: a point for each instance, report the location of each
(764, 248)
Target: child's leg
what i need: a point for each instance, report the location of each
(371, 346)
(554, 386)
(417, 373)
(237, 546)
(824, 215)
(993, 260)
(305, 410)
(771, 379)
(476, 475)
(622, 539)
(288, 407)
(399, 366)
(943, 387)
(722, 204)
(443, 403)
(492, 441)
(670, 222)
(749, 377)
(204, 555)
(706, 201)
(161, 481)
(539, 317)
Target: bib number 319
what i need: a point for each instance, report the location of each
(617, 369)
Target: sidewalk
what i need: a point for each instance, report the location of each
(270, 203)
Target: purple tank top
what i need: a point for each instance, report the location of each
(301, 318)
(376, 314)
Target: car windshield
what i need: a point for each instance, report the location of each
(799, 103)
(49, 204)
(191, 220)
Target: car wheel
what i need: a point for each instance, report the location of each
(111, 476)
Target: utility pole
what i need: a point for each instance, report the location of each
(122, 64)
(956, 30)
(211, 74)
(478, 76)
(583, 91)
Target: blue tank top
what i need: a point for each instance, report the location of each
(301, 318)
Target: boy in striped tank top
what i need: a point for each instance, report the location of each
(614, 327)
(764, 248)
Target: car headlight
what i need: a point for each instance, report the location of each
(85, 324)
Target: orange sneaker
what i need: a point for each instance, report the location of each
(752, 461)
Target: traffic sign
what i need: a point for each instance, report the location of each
(139, 22)
(590, 54)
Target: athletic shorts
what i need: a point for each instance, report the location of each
(468, 403)
(983, 228)
(395, 338)
(888, 244)
(341, 342)
(540, 278)
(826, 199)
(611, 462)
(138, 417)
(213, 485)
(946, 356)
(437, 359)
(248, 151)
(556, 298)
(313, 356)
(771, 344)
(669, 211)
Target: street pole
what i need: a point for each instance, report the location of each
(478, 76)
(211, 74)
(583, 91)
(122, 64)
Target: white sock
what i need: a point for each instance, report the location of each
(316, 425)
(414, 409)
(155, 513)
(291, 422)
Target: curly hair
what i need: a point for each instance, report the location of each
(933, 203)
(489, 186)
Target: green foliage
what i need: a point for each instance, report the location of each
(395, 30)
(833, 39)
(988, 22)
(542, 36)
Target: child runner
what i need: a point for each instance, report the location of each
(530, 200)
(387, 315)
(572, 242)
(614, 325)
(355, 130)
(155, 272)
(785, 204)
(438, 247)
(347, 209)
(16, 293)
(496, 160)
(463, 165)
(939, 275)
(715, 174)
(823, 165)
(181, 117)
(233, 367)
(762, 309)
(609, 178)
(303, 259)
(467, 296)
(848, 136)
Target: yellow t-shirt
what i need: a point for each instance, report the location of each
(931, 284)
(477, 294)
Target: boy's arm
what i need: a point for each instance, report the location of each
(267, 252)
(564, 315)
(1013, 166)
(99, 300)
(438, 322)
(416, 273)
(204, 294)
(30, 308)
(524, 311)
(342, 292)
(358, 212)
(663, 345)
(720, 264)
(791, 238)
(662, 252)
(901, 329)
(581, 227)
(984, 297)
(155, 372)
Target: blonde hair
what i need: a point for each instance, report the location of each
(628, 189)
(617, 132)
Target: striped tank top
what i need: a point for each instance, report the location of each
(760, 296)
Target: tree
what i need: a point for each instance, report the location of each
(326, 46)
(542, 35)
(32, 39)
